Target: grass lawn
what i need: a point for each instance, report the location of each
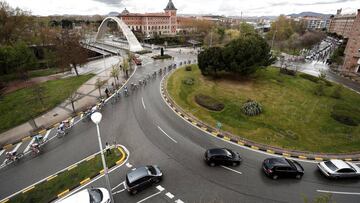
(32, 74)
(46, 191)
(293, 118)
(15, 109)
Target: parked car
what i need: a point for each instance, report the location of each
(222, 156)
(142, 178)
(282, 167)
(335, 168)
(90, 195)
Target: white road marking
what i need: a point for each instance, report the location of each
(16, 147)
(29, 145)
(142, 101)
(117, 192)
(167, 135)
(128, 165)
(47, 134)
(160, 188)
(230, 169)
(153, 195)
(2, 151)
(118, 186)
(179, 201)
(337, 192)
(169, 195)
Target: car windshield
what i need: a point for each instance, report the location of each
(330, 165)
(152, 170)
(229, 153)
(95, 195)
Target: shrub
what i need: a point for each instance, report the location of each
(188, 81)
(309, 77)
(336, 94)
(209, 102)
(346, 114)
(188, 68)
(288, 71)
(165, 56)
(252, 108)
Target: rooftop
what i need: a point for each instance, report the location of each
(170, 6)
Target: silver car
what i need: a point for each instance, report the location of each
(335, 168)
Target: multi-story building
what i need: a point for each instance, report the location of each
(152, 24)
(315, 22)
(342, 24)
(352, 50)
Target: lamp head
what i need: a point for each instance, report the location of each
(96, 117)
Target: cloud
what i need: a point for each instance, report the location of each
(116, 3)
(322, 2)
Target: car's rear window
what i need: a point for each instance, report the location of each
(330, 165)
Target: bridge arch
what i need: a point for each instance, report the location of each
(134, 44)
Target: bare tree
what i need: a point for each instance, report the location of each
(115, 72)
(72, 98)
(99, 84)
(69, 50)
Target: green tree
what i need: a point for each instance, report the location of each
(211, 61)
(246, 28)
(246, 54)
(115, 72)
(99, 84)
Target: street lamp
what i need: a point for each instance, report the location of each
(96, 118)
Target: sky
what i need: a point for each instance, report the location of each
(218, 7)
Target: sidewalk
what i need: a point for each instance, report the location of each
(88, 95)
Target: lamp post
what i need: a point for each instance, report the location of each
(96, 118)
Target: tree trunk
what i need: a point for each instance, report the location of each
(100, 92)
(127, 73)
(76, 71)
(72, 105)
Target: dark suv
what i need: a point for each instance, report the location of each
(281, 167)
(142, 178)
(222, 156)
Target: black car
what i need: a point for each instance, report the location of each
(142, 178)
(222, 156)
(281, 167)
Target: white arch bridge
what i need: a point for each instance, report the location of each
(134, 44)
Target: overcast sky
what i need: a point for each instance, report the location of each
(221, 7)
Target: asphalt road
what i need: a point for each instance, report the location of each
(154, 134)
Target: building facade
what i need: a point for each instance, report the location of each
(151, 24)
(315, 22)
(342, 24)
(352, 50)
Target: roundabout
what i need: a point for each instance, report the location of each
(155, 135)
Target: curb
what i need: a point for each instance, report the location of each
(228, 137)
(124, 155)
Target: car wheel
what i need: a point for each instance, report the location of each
(157, 180)
(212, 164)
(274, 177)
(298, 176)
(134, 192)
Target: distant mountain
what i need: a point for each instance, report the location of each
(302, 14)
(113, 14)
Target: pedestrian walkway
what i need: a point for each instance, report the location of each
(88, 95)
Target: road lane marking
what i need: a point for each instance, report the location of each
(117, 192)
(146, 198)
(142, 101)
(47, 135)
(337, 192)
(29, 145)
(169, 195)
(230, 169)
(179, 201)
(122, 183)
(160, 188)
(167, 135)
(2, 151)
(16, 147)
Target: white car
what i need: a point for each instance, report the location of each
(335, 168)
(90, 195)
